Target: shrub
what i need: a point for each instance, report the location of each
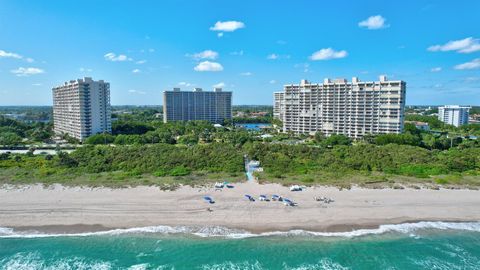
(180, 171)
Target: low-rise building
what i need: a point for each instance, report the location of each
(419, 125)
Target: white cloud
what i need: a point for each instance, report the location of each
(474, 64)
(328, 53)
(141, 62)
(5, 54)
(240, 53)
(208, 66)
(220, 34)
(227, 26)
(219, 85)
(305, 66)
(472, 79)
(374, 23)
(23, 72)
(272, 56)
(85, 69)
(116, 58)
(272, 81)
(136, 70)
(436, 69)
(466, 45)
(207, 54)
(186, 84)
(133, 91)
(248, 73)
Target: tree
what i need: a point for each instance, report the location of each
(10, 138)
(130, 127)
(369, 138)
(319, 137)
(100, 139)
(337, 139)
(188, 139)
(4, 156)
(65, 160)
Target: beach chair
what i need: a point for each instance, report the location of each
(250, 198)
(263, 198)
(288, 202)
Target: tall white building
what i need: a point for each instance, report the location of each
(81, 108)
(453, 114)
(278, 105)
(214, 106)
(352, 108)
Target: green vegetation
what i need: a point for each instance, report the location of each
(435, 124)
(127, 165)
(14, 132)
(364, 164)
(142, 150)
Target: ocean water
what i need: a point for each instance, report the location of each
(424, 245)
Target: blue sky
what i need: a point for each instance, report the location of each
(249, 47)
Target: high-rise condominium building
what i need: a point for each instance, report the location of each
(214, 106)
(279, 105)
(453, 114)
(82, 108)
(352, 108)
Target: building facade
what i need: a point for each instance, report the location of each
(81, 108)
(352, 108)
(278, 105)
(214, 106)
(454, 114)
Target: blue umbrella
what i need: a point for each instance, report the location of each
(208, 199)
(250, 198)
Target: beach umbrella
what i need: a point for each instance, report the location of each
(208, 199)
(250, 198)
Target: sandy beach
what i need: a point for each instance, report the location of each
(74, 209)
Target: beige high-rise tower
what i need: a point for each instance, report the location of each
(81, 108)
(353, 108)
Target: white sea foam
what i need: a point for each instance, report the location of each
(324, 264)
(33, 260)
(233, 266)
(219, 231)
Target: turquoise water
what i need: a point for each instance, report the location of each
(254, 126)
(401, 248)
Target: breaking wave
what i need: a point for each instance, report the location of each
(219, 231)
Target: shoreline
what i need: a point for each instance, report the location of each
(83, 229)
(59, 209)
